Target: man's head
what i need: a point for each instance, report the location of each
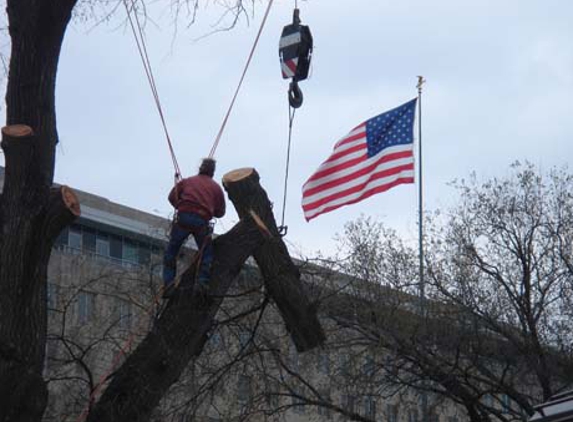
(207, 167)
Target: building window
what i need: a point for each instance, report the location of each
(102, 245)
(433, 417)
(488, 400)
(75, 238)
(324, 363)
(62, 239)
(51, 296)
(348, 402)
(505, 403)
(89, 240)
(115, 247)
(323, 410)
(144, 255)
(86, 302)
(293, 358)
(51, 352)
(124, 313)
(271, 395)
(244, 392)
(244, 338)
(392, 413)
(297, 403)
(368, 368)
(129, 252)
(215, 339)
(370, 407)
(412, 415)
(344, 365)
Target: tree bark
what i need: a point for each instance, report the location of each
(31, 214)
(281, 276)
(179, 334)
(29, 230)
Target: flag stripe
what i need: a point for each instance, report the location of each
(343, 166)
(340, 165)
(357, 174)
(352, 136)
(382, 188)
(352, 189)
(347, 149)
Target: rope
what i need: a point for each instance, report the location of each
(142, 48)
(291, 113)
(220, 133)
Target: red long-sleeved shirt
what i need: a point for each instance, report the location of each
(199, 194)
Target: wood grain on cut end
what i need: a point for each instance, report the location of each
(71, 200)
(236, 175)
(17, 131)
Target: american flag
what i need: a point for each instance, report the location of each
(374, 157)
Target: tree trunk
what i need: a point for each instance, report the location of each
(281, 276)
(181, 331)
(31, 213)
(24, 255)
(179, 334)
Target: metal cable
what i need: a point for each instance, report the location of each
(291, 113)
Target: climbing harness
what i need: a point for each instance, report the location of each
(295, 53)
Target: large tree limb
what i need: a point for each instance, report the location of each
(281, 276)
(179, 334)
(23, 262)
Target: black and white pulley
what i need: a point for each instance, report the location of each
(295, 52)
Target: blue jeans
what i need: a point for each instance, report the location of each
(189, 223)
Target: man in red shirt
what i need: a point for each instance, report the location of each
(197, 199)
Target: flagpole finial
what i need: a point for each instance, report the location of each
(421, 81)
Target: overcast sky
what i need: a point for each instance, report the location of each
(499, 84)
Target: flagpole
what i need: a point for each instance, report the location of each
(422, 285)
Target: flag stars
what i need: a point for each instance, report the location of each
(392, 128)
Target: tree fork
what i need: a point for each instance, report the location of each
(281, 276)
(180, 333)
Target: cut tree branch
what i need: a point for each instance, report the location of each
(281, 276)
